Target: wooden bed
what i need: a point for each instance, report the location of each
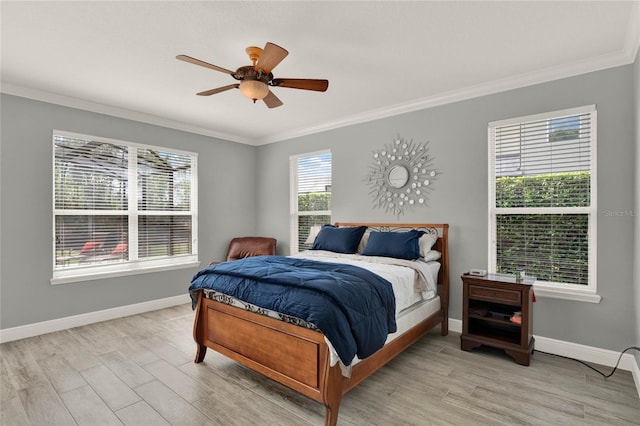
(299, 357)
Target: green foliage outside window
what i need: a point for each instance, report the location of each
(564, 135)
(312, 201)
(569, 189)
(552, 247)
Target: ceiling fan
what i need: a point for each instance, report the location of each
(256, 79)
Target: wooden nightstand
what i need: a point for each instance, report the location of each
(489, 304)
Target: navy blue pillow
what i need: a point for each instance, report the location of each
(401, 245)
(339, 240)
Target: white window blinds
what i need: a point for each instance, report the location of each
(117, 204)
(542, 199)
(164, 196)
(311, 197)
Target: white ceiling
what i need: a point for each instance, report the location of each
(381, 58)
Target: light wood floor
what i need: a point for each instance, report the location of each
(110, 373)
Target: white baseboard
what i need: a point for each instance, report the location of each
(582, 352)
(36, 329)
(636, 376)
(455, 325)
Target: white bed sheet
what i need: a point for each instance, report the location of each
(402, 279)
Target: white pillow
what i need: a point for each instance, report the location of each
(363, 241)
(426, 242)
(432, 255)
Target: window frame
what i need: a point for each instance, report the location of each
(293, 197)
(568, 291)
(133, 265)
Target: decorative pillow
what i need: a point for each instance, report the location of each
(314, 230)
(339, 240)
(426, 242)
(432, 255)
(401, 245)
(363, 241)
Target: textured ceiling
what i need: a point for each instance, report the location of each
(381, 58)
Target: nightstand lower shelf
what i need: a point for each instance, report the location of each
(521, 356)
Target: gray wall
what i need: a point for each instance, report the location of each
(458, 140)
(227, 205)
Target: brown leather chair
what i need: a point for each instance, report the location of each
(242, 247)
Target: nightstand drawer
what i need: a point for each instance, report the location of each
(509, 297)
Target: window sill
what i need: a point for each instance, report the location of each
(566, 294)
(78, 276)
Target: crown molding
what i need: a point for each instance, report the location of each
(71, 102)
(622, 57)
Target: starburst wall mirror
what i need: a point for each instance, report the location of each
(401, 175)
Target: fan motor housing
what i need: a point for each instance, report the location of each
(248, 72)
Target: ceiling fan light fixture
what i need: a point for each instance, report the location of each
(254, 80)
(254, 89)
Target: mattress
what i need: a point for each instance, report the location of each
(405, 320)
(403, 280)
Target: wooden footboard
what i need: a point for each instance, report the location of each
(294, 356)
(291, 355)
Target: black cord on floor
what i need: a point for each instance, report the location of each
(606, 376)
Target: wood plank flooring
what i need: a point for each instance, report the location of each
(139, 371)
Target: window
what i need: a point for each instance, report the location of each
(542, 200)
(121, 207)
(310, 197)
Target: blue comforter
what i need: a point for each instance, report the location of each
(353, 307)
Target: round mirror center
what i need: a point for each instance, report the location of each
(398, 176)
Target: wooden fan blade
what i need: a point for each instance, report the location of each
(301, 83)
(218, 90)
(202, 63)
(272, 55)
(272, 100)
